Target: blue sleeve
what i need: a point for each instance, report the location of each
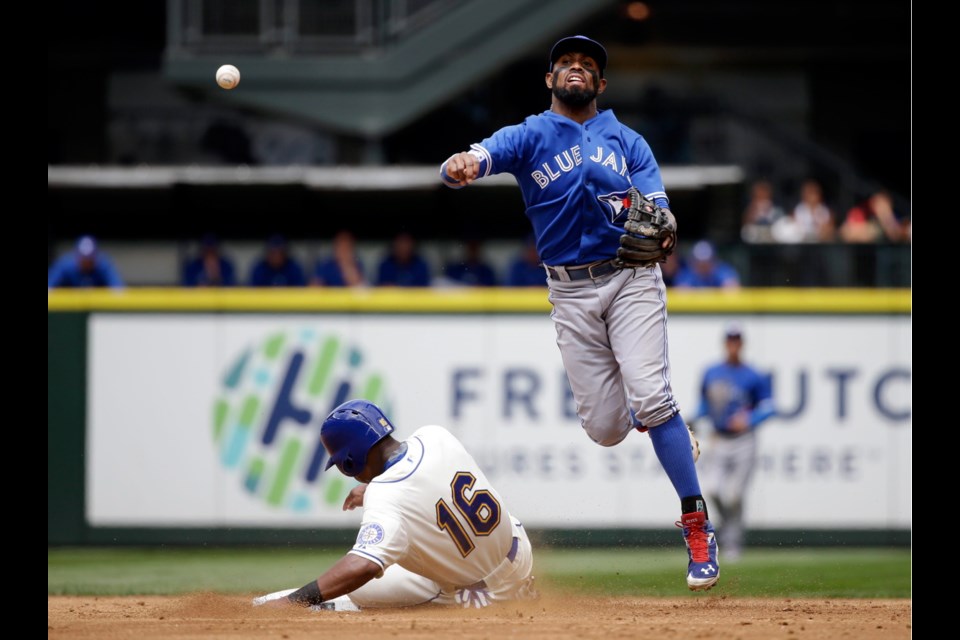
(297, 277)
(258, 277)
(763, 394)
(228, 273)
(645, 173)
(423, 274)
(57, 273)
(190, 271)
(727, 275)
(500, 153)
(109, 272)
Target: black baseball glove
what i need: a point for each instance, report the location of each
(651, 233)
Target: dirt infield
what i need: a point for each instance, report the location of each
(218, 616)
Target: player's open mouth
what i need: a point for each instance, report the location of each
(576, 79)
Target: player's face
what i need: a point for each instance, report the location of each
(575, 79)
(733, 347)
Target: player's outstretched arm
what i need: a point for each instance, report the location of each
(349, 574)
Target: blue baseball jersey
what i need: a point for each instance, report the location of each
(574, 178)
(330, 274)
(728, 389)
(68, 272)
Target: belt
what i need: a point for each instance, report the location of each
(511, 556)
(583, 271)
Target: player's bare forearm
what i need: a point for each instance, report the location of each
(348, 574)
(354, 499)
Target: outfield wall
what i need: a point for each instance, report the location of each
(178, 415)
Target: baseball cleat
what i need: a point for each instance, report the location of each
(702, 568)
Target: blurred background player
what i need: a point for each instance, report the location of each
(343, 268)
(210, 268)
(526, 270)
(277, 268)
(471, 269)
(85, 266)
(735, 399)
(704, 269)
(403, 266)
(434, 529)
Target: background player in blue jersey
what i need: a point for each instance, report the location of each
(84, 267)
(734, 399)
(574, 164)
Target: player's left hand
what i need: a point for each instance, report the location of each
(354, 499)
(477, 597)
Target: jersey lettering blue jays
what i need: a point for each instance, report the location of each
(573, 178)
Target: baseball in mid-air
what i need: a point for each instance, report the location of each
(228, 76)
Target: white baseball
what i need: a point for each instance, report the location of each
(228, 76)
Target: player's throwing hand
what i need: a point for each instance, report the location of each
(463, 168)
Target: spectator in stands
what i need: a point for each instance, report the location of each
(704, 269)
(277, 268)
(526, 270)
(760, 214)
(872, 220)
(810, 221)
(343, 268)
(403, 266)
(84, 266)
(472, 269)
(210, 268)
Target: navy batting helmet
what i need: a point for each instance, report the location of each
(349, 433)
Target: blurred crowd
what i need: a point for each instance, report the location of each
(811, 219)
(698, 264)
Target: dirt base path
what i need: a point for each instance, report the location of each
(218, 616)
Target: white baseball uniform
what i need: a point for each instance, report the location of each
(436, 526)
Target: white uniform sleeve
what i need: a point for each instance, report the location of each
(382, 538)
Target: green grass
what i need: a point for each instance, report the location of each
(795, 573)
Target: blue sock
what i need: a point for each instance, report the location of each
(671, 442)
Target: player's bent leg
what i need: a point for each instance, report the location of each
(397, 587)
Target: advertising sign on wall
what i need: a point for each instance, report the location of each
(213, 420)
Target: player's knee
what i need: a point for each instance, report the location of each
(605, 436)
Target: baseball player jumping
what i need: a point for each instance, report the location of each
(434, 529)
(579, 170)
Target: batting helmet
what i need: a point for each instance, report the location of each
(349, 433)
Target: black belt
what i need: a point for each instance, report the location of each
(583, 271)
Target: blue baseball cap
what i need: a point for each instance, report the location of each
(733, 331)
(580, 44)
(86, 246)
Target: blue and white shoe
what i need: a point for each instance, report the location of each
(702, 568)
